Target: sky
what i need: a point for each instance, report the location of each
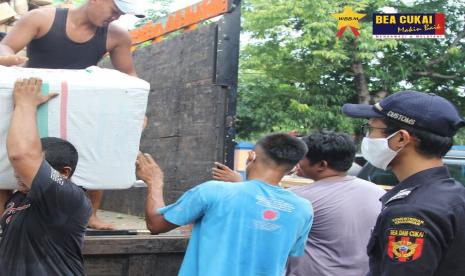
(179, 4)
(127, 21)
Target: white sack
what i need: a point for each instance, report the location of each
(100, 111)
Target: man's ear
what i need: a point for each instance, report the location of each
(251, 157)
(402, 139)
(322, 165)
(66, 172)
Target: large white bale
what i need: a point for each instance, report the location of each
(100, 111)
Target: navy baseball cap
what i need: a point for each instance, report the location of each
(426, 111)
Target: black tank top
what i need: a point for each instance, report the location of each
(56, 50)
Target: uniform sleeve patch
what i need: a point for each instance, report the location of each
(408, 220)
(405, 245)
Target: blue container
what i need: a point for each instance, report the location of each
(241, 152)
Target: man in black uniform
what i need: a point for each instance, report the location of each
(421, 228)
(45, 220)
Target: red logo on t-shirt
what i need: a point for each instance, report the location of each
(270, 215)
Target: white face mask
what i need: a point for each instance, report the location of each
(377, 151)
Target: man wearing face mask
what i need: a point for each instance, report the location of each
(421, 229)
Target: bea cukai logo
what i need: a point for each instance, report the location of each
(431, 25)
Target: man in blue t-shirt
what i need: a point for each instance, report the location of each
(245, 228)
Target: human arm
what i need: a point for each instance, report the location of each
(23, 143)
(224, 173)
(189, 208)
(408, 240)
(120, 50)
(11, 59)
(24, 30)
(149, 171)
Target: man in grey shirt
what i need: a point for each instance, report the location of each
(345, 208)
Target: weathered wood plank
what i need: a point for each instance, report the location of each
(134, 255)
(106, 265)
(144, 244)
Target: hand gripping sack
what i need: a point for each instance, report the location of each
(100, 111)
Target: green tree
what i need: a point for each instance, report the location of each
(161, 10)
(295, 73)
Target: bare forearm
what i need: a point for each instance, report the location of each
(23, 138)
(153, 202)
(149, 171)
(5, 50)
(23, 143)
(155, 199)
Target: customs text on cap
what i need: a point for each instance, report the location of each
(426, 111)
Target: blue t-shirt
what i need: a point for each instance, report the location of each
(246, 228)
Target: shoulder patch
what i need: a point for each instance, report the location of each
(401, 194)
(405, 245)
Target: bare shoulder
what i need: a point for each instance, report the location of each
(40, 19)
(40, 16)
(119, 47)
(118, 35)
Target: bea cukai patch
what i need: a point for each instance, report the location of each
(405, 245)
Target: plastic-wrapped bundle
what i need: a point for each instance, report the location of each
(100, 111)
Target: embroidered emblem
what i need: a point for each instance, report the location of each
(401, 194)
(408, 220)
(405, 245)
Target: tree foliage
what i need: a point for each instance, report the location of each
(159, 9)
(295, 73)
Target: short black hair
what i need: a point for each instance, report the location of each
(430, 144)
(337, 149)
(60, 153)
(283, 149)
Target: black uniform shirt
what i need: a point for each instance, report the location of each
(43, 230)
(421, 229)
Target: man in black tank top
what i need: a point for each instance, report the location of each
(72, 39)
(57, 51)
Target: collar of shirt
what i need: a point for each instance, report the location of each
(322, 182)
(421, 178)
(263, 183)
(333, 179)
